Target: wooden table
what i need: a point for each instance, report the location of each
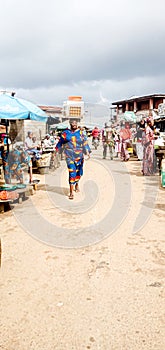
(4, 204)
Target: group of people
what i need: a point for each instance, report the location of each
(120, 142)
(114, 141)
(74, 143)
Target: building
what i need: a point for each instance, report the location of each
(54, 115)
(73, 108)
(142, 106)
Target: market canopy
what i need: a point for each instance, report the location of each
(61, 126)
(13, 108)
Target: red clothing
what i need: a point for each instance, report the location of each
(95, 132)
(125, 134)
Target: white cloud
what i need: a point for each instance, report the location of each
(52, 49)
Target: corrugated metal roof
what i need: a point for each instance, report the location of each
(138, 98)
(54, 109)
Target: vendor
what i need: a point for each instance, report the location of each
(35, 144)
(12, 160)
(31, 146)
(29, 141)
(13, 168)
(47, 141)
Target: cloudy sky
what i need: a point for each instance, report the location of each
(104, 50)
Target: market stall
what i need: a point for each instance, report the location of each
(12, 108)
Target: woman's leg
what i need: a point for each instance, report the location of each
(72, 176)
(30, 173)
(79, 173)
(77, 187)
(122, 151)
(104, 150)
(71, 196)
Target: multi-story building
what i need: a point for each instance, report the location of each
(73, 108)
(139, 105)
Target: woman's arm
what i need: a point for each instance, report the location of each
(86, 148)
(61, 141)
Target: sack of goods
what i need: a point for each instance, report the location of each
(44, 160)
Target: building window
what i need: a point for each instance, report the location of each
(75, 111)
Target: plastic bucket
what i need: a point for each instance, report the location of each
(163, 178)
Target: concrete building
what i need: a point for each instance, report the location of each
(142, 106)
(54, 115)
(20, 128)
(73, 108)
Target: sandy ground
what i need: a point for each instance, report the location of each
(107, 295)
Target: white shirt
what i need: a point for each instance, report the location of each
(47, 143)
(28, 143)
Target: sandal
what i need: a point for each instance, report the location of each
(71, 196)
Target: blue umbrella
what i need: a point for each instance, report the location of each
(12, 108)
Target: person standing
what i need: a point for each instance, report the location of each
(75, 145)
(95, 135)
(139, 146)
(108, 141)
(117, 144)
(126, 136)
(148, 148)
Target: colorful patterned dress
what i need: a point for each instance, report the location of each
(12, 161)
(75, 145)
(148, 151)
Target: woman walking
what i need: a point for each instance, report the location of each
(75, 146)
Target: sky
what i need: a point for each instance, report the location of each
(103, 50)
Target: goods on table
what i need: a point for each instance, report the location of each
(6, 195)
(8, 192)
(8, 187)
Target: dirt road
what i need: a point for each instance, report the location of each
(101, 290)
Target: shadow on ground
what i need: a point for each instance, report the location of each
(63, 191)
